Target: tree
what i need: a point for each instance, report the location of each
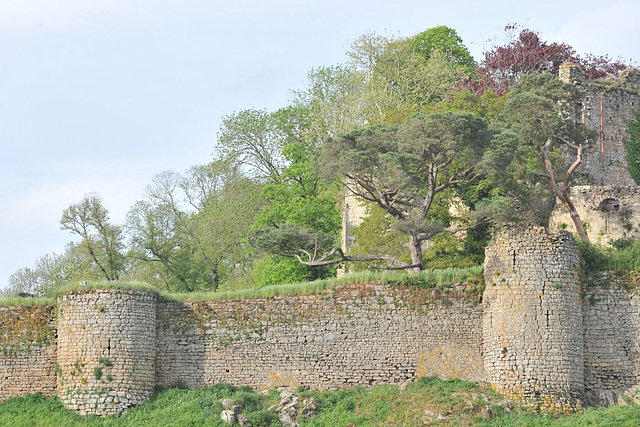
(162, 249)
(402, 169)
(188, 234)
(632, 145)
(386, 80)
(50, 273)
(339, 99)
(253, 139)
(101, 240)
(503, 66)
(445, 40)
(538, 109)
(413, 79)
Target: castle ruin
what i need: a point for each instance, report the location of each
(542, 333)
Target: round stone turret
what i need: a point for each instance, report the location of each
(532, 324)
(106, 349)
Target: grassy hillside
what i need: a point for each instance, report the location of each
(429, 401)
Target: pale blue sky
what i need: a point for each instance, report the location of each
(101, 95)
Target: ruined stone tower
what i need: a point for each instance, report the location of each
(532, 323)
(106, 349)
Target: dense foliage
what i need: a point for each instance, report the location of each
(633, 147)
(439, 146)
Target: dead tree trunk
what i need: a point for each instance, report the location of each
(563, 194)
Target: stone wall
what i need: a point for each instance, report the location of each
(350, 335)
(609, 212)
(611, 312)
(354, 210)
(28, 353)
(539, 336)
(532, 322)
(606, 109)
(106, 349)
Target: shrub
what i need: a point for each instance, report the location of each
(97, 373)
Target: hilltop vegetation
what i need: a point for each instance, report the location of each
(409, 124)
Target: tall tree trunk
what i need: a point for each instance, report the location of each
(563, 194)
(415, 246)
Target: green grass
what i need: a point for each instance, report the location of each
(77, 286)
(456, 402)
(170, 407)
(27, 302)
(624, 255)
(425, 279)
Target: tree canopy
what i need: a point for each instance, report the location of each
(436, 145)
(402, 168)
(536, 109)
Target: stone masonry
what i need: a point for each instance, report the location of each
(606, 109)
(532, 322)
(540, 336)
(106, 350)
(349, 335)
(28, 354)
(608, 212)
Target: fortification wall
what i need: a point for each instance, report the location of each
(611, 312)
(353, 335)
(606, 110)
(532, 321)
(539, 336)
(28, 353)
(106, 349)
(609, 212)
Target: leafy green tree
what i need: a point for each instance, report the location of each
(254, 140)
(537, 109)
(633, 147)
(188, 235)
(488, 105)
(402, 169)
(302, 198)
(102, 241)
(339, 99)
(161, 249)
(445, 40)
(413, 80)
(386, 80)
(50, 273)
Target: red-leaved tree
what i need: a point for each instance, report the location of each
(503, 66)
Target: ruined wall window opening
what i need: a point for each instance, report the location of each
(609, 205)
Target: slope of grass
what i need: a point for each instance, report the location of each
(171, 407)
(429, 401)
(26, 302)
